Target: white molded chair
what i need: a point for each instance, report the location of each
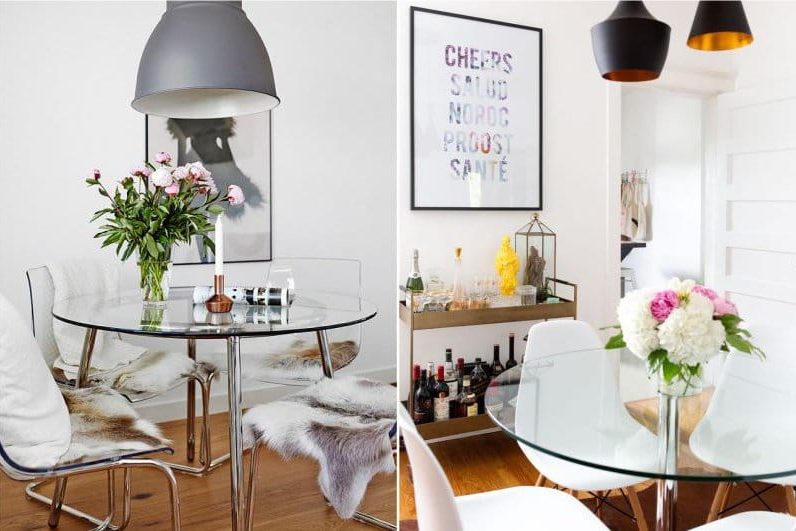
(752, 521)
(554, 337)
(438, 509)
(733, 423)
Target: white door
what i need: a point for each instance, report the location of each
(754, 202)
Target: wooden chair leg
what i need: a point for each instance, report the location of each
(635, 504)
(790, 498)
(719, 501)
(540, 481)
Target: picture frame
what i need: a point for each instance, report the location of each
(236, 151)
(475, 138)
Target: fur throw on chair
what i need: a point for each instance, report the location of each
(343, 423)
(104, 424)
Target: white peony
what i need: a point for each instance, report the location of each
(689, 334)
(638, 324)
(161, 177)
(681, 287)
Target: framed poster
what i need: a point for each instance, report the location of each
(235, 151)
(476, 113)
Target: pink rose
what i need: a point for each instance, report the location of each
(173, 189)
(704, 291)
(180, 173)
(663, 303)
(161, 177)
(235, 195)
(723, 307)
(163, 158)
(141, 172)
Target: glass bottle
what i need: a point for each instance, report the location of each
(415, 282)
(478, 380)
(467, 404)
(441, 396)
(450, 373)
(424, 403)
(511, 362)
(496, 367)
(459, 294)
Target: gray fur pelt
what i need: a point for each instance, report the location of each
(104, 424)
(343, 423)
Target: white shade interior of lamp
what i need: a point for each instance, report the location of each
(205, 103)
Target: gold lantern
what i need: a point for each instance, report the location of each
(535, 244)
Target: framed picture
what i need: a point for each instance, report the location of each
(235, 151)
(476, 112)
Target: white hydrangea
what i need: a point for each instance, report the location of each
(681, 287)
(689, 334)
(638, 324)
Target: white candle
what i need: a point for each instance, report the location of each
(219, 246)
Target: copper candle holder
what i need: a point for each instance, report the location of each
(218, 303)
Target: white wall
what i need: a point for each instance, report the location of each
(662, 133)
(67, 75)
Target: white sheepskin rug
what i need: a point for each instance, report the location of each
(104, 424)
(344, 423)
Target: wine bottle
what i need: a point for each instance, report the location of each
(512, 362)
(467, 403)
(413, 388)
(415, 282)
(496, 367)
(459, 386)
(441, 396)
(478, 380)
(424, 403)
(450, 374)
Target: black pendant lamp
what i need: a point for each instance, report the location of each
(631, 44)
(204, 59)
(719, 26)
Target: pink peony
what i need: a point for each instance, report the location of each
(161, 177)
(704, 291)
(235, 195)
(163, 157)
(724, 307)
(663, 303)
(173, 189)
(141, 172)
(95, 174)
(181, 172)
(198, 171)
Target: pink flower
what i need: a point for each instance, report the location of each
(163, 158)
(197, 170)
(181, 172)
(663, 303)
(234, 195)
(95, 174)
(704, 291)
(161, 177)
(724, 307)
(141, 172)
(173, 189)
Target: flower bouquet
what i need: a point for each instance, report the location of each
(678, 330)
(155, 207)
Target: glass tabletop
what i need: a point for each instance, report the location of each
(180, 317)
(599, 409)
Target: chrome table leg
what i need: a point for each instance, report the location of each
(191, 413)
(668, 426)
(235, 434)
(326, 354)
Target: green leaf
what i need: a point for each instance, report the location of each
(670, 371)
(151, 246)
(215, 209)
(739, 343)
(617, 341)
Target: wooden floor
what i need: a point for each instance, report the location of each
(494, 461)
(288, 497)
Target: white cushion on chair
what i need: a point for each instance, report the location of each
(537, 508)
(34, 422)
(752, 521)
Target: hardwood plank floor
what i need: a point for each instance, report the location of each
(494, 461)
(288, 497)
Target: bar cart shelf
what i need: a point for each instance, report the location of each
(565, 308)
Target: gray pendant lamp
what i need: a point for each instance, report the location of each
(720, 26)
(631, 44)
(204, 59)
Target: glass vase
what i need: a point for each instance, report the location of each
(155, 281)
(691, 386)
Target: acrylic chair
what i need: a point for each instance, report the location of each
(42, 293)
(722, 437)
(512, 508)
(752, 521)
(554, 337)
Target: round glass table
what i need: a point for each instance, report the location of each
(598, 409)
(181, 318)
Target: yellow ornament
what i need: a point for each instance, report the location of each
(507, 264)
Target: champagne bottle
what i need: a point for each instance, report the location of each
(441, 396)
(496, 367)
(512, 362)
(415, 282)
